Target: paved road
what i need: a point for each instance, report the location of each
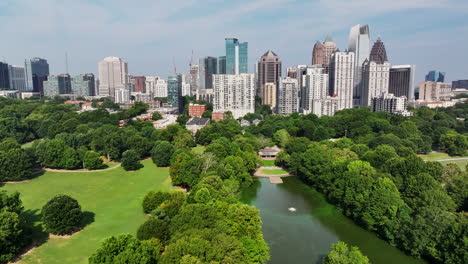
(453, 159)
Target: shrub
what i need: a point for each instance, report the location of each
(61, 215)
(153, 199)
(154, 228)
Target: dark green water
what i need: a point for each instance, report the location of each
(306, 235)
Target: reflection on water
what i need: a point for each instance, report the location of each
(305, 236)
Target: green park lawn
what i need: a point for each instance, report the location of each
(268, 163)
(111, 199)
(273, 172)
(199, 149)
(435, 156)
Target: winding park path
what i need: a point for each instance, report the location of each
(455, 159)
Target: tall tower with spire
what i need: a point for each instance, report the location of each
(375, 73)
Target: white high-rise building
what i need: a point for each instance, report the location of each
(160, 88)
(375, 80)
(359, 44)
(235, 93)
(435, 91)
(113, 75)
(17, 78)
(150, 83)
(194, 79)
(288, 96)
(315, 88)
(342, 78)
(122, 96)
(390, 103)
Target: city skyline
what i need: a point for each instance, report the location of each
(76, 27)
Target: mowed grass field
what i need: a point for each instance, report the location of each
(273, 172)
(268, 163)
(436, 156)
(111, 199)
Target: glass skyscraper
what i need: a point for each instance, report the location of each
(236, 56)
(435, 76)
(174, 91)
(221, 65)
(36, 72)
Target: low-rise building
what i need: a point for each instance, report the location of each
(196, 110)
(389, 103)
(195, 124)
(217, 116)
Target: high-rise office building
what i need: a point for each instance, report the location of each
(359, 44)
(435, 76)
(375, 80)
(322, 53)
(113, 74)
(342, 78)
(150, 84)
(402, 81)
(160, 88)
(435, 91)
(315, 93)
(236, 56)
(174, 92)
(268, 71)
(234, 93)
(4, 77)
(139, 84)
(194, 79)
(288, 96)
(36, 71)
(460, 84)
(83, 85)
(17, 79)
(378, 52)
(270, 94)
(122, 95)
(207, 67)
(221, 65)
(318, 54)
(57, 84)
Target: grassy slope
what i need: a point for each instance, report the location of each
(114, 197)
(273, 172)
(268, 163)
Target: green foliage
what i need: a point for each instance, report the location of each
(156, 116)
(341, 253)
(61, 215)
(21, 160)
(162, 154)
(125, 249)
(130, 160)
(154, 228)
(281, 137)
(92, 160)
(153, 199)
(454, 143)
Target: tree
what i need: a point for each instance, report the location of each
(156, 116)
(12, 235)
(125, 249)
(61, 215)
(92, 160)
(154, 228)
(341, 253)
(281, 137)
(130, 160)
(153, 199)
(162, 154)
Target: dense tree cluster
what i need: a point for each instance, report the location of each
(391, 191)
(341, 253)
(209, 224)
(14, 235)
(15, 162)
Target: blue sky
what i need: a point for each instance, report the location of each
(433, 34)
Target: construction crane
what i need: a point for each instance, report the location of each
(191, 59)
(173, 62)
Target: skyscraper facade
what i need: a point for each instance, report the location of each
(57, 84)
(113, 74)
(435, 76)
(268, 71)
(150, 84)
(342, 78)
(401, 81)
(4, 77)
(17, 80)
(194, 79)
(221, 65)
(234, 93)
(236, 56)
(207, 67)
(288, 96)
(315, 91)
(359, 43)
(375, 80)
(174, 92)
(270, 94)
(36, 71)
(389, 103)
(161, 88)
(460, 84)
(318, 54)
(83, 85)
(139, 84)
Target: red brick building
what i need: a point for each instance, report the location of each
(217, 116)
(196, 110)
(139, 84)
